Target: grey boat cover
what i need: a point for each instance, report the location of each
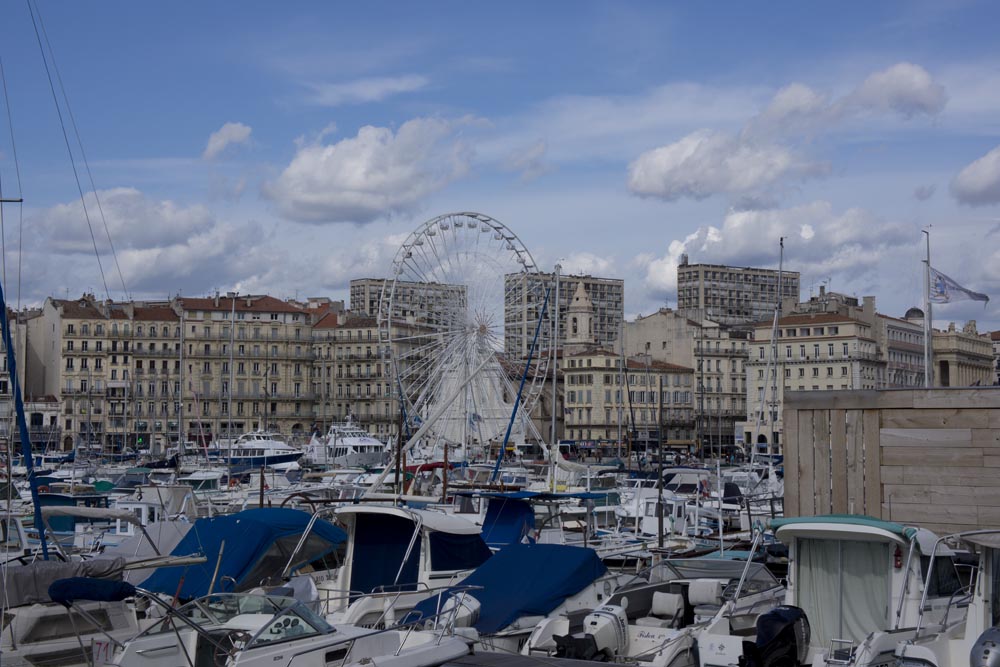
(166, 535)
(29, 584)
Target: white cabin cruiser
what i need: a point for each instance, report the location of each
(396, 557)
(969, 632)
(226, 630)
(522, 590)
(656, 617)
(855, 591)
(346, 445)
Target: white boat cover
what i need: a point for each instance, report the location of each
(29, 584)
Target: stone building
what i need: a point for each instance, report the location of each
(716, 354)
(962, 358)
(641, 401)
(130, 374)
(814, 351)
(995, 341)
(524, 295)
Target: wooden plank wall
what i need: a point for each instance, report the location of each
(924, 457)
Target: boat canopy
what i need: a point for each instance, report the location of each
(524, 580)
(29, 584)
(508, 521)
(258, 543)
(843, 526)
(384, 554)
(67, 591)
(982, 538)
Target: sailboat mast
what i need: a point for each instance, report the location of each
(22, 424)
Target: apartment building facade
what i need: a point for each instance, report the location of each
(814, 351)
(352, 375)
(717, 355)
(644, 401)
(525, 294)
(132, 374)
(730, 295)
(430, 304)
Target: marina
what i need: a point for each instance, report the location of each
(499, 336)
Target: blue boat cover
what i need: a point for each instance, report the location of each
(381, 542)
(66, 591)
(258, 544)
(524, 580)
(508, 521)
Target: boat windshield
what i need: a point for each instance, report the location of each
(221, 608)
(758, 578)
(292, 623)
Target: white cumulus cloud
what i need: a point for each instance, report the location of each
(904, 88)
(374, 174)
(587, 263)
(230, 134)
(373, 89)
(530, 161)
(769, 148)
(133, 220)
(978, 184)
(822, 241)
(704, 163)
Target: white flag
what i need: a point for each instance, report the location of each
(945, 290)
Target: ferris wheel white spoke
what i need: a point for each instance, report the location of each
(451, 276)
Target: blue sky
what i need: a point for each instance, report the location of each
(289, 147)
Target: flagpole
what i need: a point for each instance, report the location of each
(927, 314)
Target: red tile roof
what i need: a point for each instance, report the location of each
(258, 304)
(156, 314)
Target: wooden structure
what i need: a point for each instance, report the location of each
(921, 457)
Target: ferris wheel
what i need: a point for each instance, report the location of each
(460, 316)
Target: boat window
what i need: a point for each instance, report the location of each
(61, 626)
(943, 580)
(273, 561)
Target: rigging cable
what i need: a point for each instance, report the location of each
(83, 154)
(20, 193)
(69, 148)
(9, 490)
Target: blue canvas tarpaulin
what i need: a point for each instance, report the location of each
(258, 543)
(525, 580)
(508, 521)
(457, 552)
(380, 544)
(67, 591)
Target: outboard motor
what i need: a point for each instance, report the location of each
(461, 610)
(782, 639)
(604, 636)
(986, 650)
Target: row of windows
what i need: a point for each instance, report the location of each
(804, 331)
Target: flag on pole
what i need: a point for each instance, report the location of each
(943, 289)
